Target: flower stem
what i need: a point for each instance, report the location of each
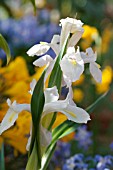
(2, 162)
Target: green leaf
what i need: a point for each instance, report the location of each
(90, 108)
(37, 104)
(37, 100)
(32, 161)
(5, 47)
(47, 156)
(34, 5)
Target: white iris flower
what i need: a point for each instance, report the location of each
(69, 25)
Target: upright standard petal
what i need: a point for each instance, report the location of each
(75, 38)
(70, 25)
(12, 114)
(38, 49)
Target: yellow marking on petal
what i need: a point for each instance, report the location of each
(11, 117)
(43, 43)
(71, 113)
(73, 61)
(98, 66)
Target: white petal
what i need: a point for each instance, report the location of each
(70, 96)
(32, 86)
(8, 102)
(9, 120)
(70, 50)
(51, 94)
(69, 25)
(55, 39)
(72, 112)
(75, 38)
(96, 72)
(45, 137)
(75, 67)
(49, 69)
(63, 83)
(28, 143)
(76, 114)
(38, 49)
(54, 107)
(55, 44)
(12, 115)
(42, 61)
(29, 140)
(89, 56)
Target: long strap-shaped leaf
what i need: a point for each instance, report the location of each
(5, 47)
(62, 130)
(37, 104)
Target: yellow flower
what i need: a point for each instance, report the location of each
(80, 81)
(90, 34)
(15, 71)
(38, 73)
(107, 36)
(77, 95)
(106, 80)
(18, 89)
(59, 119)
(14, 84)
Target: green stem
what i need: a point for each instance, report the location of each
(46, 159)
(2, 162)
